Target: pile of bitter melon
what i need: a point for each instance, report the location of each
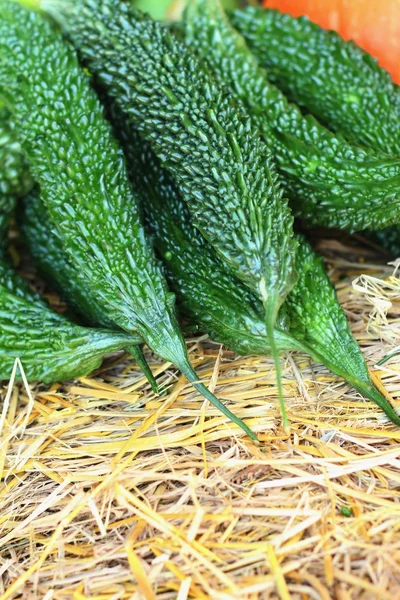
(152, 162)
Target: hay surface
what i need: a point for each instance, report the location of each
(108, 492)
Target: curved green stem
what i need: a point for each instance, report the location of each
(365, 388)
(138, 355)
(394, 352)
(271, 311)
(191, 376)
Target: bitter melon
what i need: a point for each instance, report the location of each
(199, 134)
(15, 180)
(335, 80)
(49, 347)
(311, 320)
(46, 251)
(329, 181)
(83, 183)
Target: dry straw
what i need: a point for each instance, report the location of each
(108, 492)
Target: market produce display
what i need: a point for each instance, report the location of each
(83, 182)
(150, 147)
(311, 319)
(198, 132)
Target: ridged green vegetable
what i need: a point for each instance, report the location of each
(329, 181)
(335, 80)
(15, 180)
(311, 320)
(222, 166)
(50, 347)
(83, 182)
(200, 136)
(46, 251)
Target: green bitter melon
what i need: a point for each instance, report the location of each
(222, 166)
(15, 181)
(311, 320)
(329, 181)
(83, 183)
(333, 79)
(46, 251)
(49, 347)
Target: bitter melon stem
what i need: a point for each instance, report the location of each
(391, 354)
(271, 307)
(137, 353)
(192, 376)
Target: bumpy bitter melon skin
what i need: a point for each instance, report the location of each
(49, 347)
(335, 80)
(311, 320)
(15, 180)
(206, 289)
(223, 168)
(82, 176)
(328, 181)
(46, 251)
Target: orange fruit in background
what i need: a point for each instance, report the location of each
(372, 24)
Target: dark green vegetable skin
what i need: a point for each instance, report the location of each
(335, 80)
(328, 181)
(83, 182)
(221, 165)
(338, 82)
(15, 181)
(308, 306)
(49, 346)
(14, 177)
(45, 249)
(311, 320)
